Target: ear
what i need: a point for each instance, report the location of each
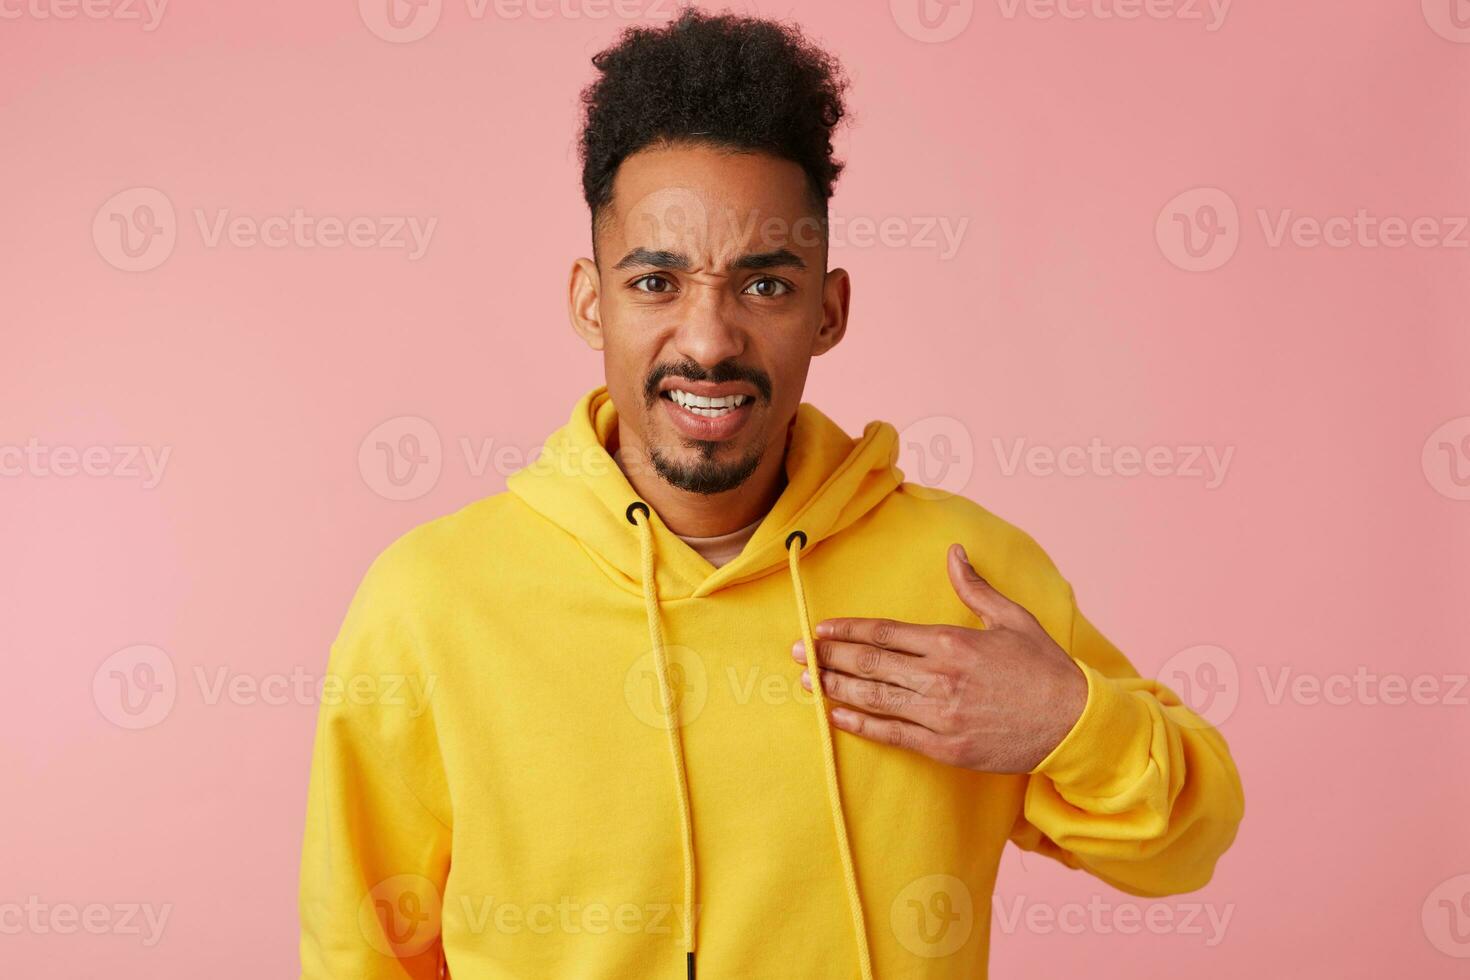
(584, 302)
(836, 298)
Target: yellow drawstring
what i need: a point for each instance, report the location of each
(834, 795)
(671, 721)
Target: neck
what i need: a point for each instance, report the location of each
(698, 514)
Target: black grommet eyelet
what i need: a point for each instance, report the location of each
(629, 512)
(795, 534)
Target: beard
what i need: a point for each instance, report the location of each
(706, 475)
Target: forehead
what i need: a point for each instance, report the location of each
(709, 201)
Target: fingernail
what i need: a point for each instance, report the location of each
(799, 652)
(963, 557)
(843, 717)
(806, 679)
(824, 629)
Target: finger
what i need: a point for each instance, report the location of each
(874, 696)
(866, 660)
(887, 633)
(892, 731)
(976, 593)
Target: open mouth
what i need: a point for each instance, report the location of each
(709, 417)
(709, 407)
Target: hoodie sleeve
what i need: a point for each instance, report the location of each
(1141, 792)
(376, 847)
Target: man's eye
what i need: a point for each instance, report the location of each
(768, 288)
(647, 283)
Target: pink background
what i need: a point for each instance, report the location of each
(1336, 540)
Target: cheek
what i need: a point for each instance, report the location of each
(628, 359)
(788, 362)
(631, 345)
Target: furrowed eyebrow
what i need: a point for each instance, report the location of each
(663, 259)
(659, 259)
(770, 260)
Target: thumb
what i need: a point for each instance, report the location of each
(974, 591)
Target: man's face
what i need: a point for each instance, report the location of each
(709, 298)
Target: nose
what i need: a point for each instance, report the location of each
(707, 333)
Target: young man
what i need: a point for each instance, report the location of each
(616, 769)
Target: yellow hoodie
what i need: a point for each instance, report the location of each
(496, 792)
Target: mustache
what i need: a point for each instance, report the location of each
(719, 374)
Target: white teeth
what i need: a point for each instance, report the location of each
(704, 405)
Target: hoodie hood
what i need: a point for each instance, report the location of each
(832, 480)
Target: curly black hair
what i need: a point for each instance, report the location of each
(724, 80)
